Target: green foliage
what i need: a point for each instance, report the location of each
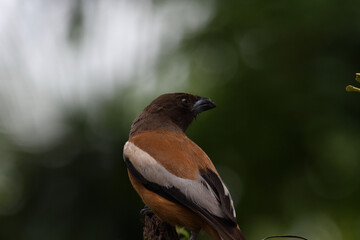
(351, 88)
(183, 233)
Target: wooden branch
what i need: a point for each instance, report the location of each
(155, 229)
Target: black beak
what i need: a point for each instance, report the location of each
(202, 105)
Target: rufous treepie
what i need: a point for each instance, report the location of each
(174, 176)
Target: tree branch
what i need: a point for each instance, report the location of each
(155, 229)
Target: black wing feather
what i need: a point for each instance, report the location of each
(226, 227)
(217, 186)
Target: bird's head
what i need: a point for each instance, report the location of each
(177, 109)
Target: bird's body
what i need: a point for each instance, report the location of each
(174, 176)
(184, 166)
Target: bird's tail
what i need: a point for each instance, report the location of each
(233, 233)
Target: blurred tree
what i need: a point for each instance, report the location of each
(285, 136)
(78, 189)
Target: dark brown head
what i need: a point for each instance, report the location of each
(171, 111)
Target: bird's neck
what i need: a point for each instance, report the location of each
(152, 122)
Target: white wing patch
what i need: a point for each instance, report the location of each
(227, 193)
(152, 171)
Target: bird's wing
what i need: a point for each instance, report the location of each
(175, 168)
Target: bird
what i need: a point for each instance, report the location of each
(174, 177)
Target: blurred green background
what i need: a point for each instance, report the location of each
(285, 136)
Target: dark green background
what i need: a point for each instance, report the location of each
(285, 135)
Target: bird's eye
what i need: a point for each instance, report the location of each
(184, 100)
